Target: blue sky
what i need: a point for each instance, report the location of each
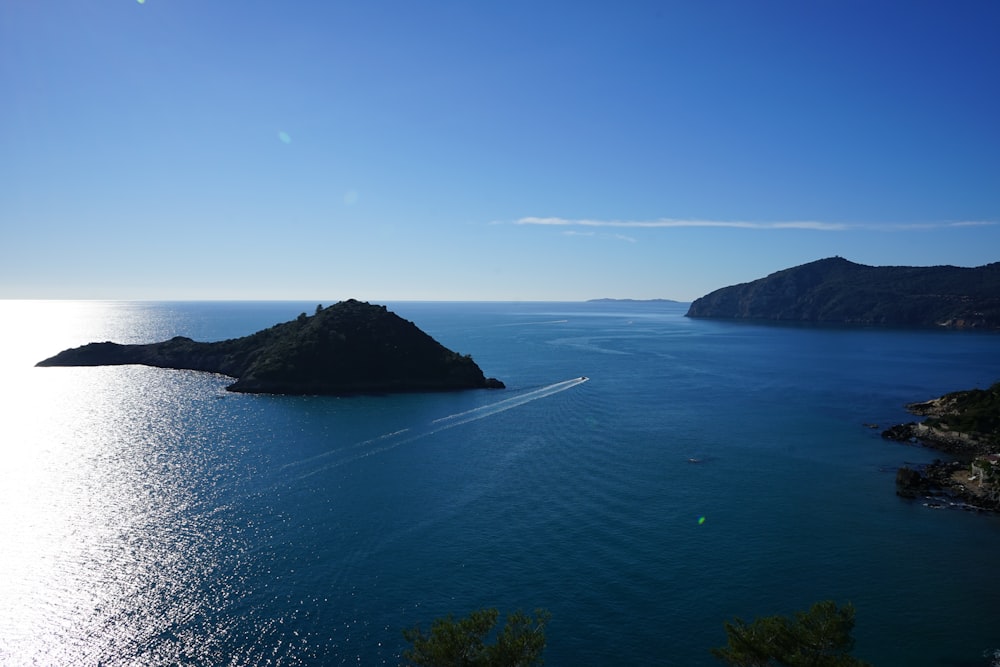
(475, 150)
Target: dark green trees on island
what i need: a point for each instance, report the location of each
(350, 347)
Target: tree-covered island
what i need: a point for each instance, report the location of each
(350, 347)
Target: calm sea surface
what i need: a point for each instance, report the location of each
(148, 517)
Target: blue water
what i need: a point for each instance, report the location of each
(150, 517)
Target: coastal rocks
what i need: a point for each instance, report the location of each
(900, 433)
(952, 442)
(932, 479)
(910, 483)
(966, 425)
(946, 484)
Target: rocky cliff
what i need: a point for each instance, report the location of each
(350, 347)
(835, 290)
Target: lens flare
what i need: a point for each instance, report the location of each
(283, 136)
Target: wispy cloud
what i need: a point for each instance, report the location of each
(974, 223)
(618, 237)
(672, 222)
(814, 225)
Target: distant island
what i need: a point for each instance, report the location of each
(835, 290)
(966, 425)
(632, 301)
(351, 347)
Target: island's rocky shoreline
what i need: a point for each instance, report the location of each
(964, 426)
(351, 347)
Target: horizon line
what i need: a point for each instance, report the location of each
(676, 223)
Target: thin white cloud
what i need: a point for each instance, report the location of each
(739, 224)
(618, 237)
(974, 223)
(673, 223)
(923, 226)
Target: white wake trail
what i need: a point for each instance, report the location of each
(393, 440)
(507, 403)
(356, 445)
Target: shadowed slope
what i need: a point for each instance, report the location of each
(835, 290)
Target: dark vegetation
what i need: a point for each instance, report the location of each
(974, 411)
(350, 347)
(820, 637)
(835, 290)
(463, 642)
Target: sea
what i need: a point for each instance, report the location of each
(644, 477)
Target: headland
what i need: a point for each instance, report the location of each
(837, 291)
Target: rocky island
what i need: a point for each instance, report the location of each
(966, 425)
(837, 291)
(350, 347)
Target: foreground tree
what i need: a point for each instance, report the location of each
(820, 637)
(462, 642)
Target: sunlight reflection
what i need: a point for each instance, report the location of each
(107, 544)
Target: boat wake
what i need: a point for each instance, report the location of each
(506, 404)
(389, 441)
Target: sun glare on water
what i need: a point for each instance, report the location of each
(94, 507)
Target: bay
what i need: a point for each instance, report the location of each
(703, 470)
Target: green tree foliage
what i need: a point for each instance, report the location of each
(820, 637)
(976, 411)
(462, 642)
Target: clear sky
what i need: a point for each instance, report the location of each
(478, 150)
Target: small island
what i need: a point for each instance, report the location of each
(838, 291)
(966, 425)
(349, 348)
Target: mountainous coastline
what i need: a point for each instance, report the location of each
(835, 290)
(350, 347)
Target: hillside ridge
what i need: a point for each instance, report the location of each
(836, 290)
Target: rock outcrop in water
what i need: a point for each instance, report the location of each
(835, 290)
(966, 425)
(350, 347)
